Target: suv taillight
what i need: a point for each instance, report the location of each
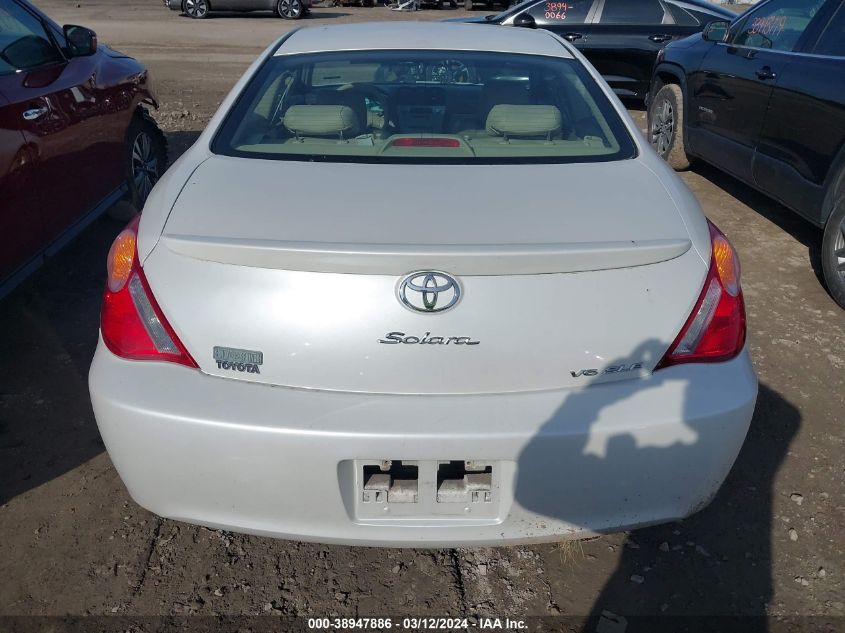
(715, 330)
(131, 322)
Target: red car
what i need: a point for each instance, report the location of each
(75, 135)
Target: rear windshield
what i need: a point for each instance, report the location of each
(423, 106)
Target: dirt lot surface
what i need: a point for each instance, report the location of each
(73, 543)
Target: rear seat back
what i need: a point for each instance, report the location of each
(526, 121)
(350, 98)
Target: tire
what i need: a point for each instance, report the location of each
(468, 5)
(833, 252)
(196, 9)
(146, 157)
(666, 126)
(290, 9)
(369, 4)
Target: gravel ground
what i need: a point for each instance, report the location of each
(73, 543)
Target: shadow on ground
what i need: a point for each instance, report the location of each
(46, 424)
(51, 323)
(789, 221)
(722, 565)
(727, 570)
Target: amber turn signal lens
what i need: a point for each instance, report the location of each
(121, 257)
(727, 264)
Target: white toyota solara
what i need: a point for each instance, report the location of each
(422, 284)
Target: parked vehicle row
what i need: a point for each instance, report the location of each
(74, 134)
(763, 98)
(201, 9)
(621, 38)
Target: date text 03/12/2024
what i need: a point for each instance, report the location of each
(416, 624)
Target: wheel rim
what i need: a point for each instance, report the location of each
(663, 127)
(290, 8)
(839, 250)
(144, 165)
(196, 8)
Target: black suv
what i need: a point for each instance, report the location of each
(763, 98)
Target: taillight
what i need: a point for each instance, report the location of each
(414, 141)
(131, 322)
(715, 330)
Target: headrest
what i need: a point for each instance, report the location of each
(524, 120)
(322, 120)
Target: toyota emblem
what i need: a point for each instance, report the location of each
(429, 291)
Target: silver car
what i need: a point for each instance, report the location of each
(404, 292)
(200, 9)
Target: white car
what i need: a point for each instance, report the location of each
(422, 284)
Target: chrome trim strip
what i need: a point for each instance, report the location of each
(771, 50)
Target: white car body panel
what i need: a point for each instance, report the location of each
(279, 462)
(418, 36)
(251, 255)
(321, 330)
(464, 259)
(598, 267)
(459, 222)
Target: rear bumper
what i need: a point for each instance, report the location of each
(282, 462)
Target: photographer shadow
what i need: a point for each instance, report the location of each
(715, 563)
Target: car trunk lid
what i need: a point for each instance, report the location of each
(565, 279)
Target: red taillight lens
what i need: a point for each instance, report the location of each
(414, 141)
(131, 323)
(715, 330)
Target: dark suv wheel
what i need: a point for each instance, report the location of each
(146, 152)
(666, 126)
(833, 252)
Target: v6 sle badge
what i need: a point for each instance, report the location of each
(613, 369)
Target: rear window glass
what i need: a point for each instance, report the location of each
(832, 40)
(777, 25)
(681, 16)
(423, 106)
(557, 12)
(632, 12)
